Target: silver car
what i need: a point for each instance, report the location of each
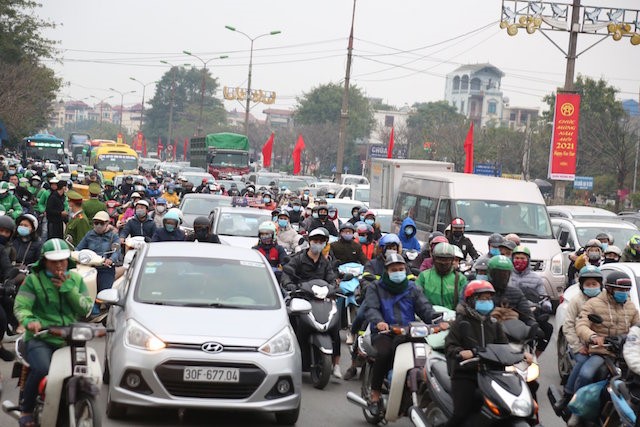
(199, 325)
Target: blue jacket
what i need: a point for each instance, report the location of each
(382, 305)
(153, 193)
(101, 244)
(162, 235)
(410, 241)
(134, 228)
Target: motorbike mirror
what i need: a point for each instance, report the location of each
(299, 306)
(69, 240)
(109, 297)
(595, 318)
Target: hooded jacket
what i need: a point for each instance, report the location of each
(569, 325)
(288, 238)
(409, 242)
(162, 235)
(134, 227)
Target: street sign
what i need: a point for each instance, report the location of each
(488, 169)
(583, 183)
(380, 152)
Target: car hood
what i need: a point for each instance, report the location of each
(196, 325)
(241, 242)
(188, 219)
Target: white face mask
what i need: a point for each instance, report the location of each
(161, 208)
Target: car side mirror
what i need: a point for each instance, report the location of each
(563, 239)
(109, 297)
(299, 306)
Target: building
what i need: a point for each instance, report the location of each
(130, 117)
(385, 120)
(518, 118)
(278, 118)
(236, 118)
(475, 91)
(57, 116)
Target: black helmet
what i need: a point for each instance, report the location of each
(495, 239)
(7, 223)
(433, 235)
(618, 279)
(283, 212)
(201, 221)
(347, 226)
(603, 235)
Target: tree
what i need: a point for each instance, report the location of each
(20, 32)
(186, 86)
(317, 117)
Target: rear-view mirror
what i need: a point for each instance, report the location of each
(299, 306)
(109, 297)
(441, 226)
(563, 239)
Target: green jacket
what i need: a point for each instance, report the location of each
(40, 300)
(78, 227)
(440, 290)
(10, 202)
(92, 206)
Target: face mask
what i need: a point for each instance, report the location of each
(296, 208)
(170, 191)
(390, 252)
(48, 274)
(520, 264)
(457, 234)
(443, 267)
(620, 296)
(274, 218)
(330, 196)
(591, 292)
(283, 223)
(266, 240)
(306, 193)
(333, 214)
(362, 239)
(593, 255)
(346, 236)
(494, 251)
(316, 248)
(604, 246)
(141, 213)
(170, 228)
(361, 218)
(201, 233)
(315, 215)
(409, 231)
(484, 307)
(370, 221)
(266, 200)
(161, 208)
(610, 260)
(355, 214)
(397, 276)
(322, 216)
(482, 277)
(23, 231)
(12, 172)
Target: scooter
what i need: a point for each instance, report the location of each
(314, 330)
(68, 394)
(523, 338)
(350, 288)
(401, 390)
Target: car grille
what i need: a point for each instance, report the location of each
(170, 375)
(537, 264)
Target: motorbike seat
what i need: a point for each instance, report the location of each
(439, 369)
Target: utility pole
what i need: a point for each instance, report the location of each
(344, 111)
(635, 167)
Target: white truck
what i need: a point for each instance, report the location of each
(387, 173)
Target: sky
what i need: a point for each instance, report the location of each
(402, 49)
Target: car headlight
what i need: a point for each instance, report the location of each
(281, 343)
(556, 264)
(533, 372)
(137, 336)
(521, 408)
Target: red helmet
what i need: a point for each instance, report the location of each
(475, 287)
(439, 239)
(457, 222)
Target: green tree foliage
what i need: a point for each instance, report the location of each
(27, 87)
(318, 118)
(185, 86)
(97, 130)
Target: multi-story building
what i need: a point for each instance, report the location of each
(130, 117)
(385, 120)
(518, 118)
(278, 118)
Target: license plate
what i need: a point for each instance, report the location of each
(211, 375)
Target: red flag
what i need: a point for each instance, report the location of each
(159, 148)
(390, 147)
(184, 148)
(266, 151)
(297, 152)
(468, 151)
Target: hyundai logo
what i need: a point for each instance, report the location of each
(212, 347)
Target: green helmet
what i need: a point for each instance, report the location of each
(522, 250)
(444, 250)
(56, 250)
(634, 242)
(28, 174)
(500, 262)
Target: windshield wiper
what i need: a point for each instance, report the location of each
(537, 236)
(215, 304)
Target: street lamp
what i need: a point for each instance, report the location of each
(252, 39)
(122, 94)
(203, 86)
(100, 103)
(144, 87)
(173, 91)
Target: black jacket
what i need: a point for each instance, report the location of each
(27, 252)
(134, 228)
(212, 238)
(55, 206)
(465, 245)
(514, 299)
(301, 268)
(162, 235)
(7, 260)
(328, 224)
(374, 315)
(350, 251)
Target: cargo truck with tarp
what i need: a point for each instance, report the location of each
(223, 155)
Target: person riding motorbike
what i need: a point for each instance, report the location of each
(323, 221)
(510, 302)
(140, 224)
(370, 218)
(475, 310)
(345, 249)
(50, 296)
(392, 300)
(170, 195)
(7, 261)
(364, 236)
(26, 242)
(407, 235)
(126, 187)
(295, 213)
(631, 252)
(287, 236)
(110, 192)
(202, 231)
(456, 237)
(159, 212)
(618, 314)
(428, 262)
(442, 285)
(389, 244)
(612, 254)
(268, 202)
(493, 243)
(152, 191)
(269, 247)
(355, 215)
(506, 248)
(592, 255)
(170, 230)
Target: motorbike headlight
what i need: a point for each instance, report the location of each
(556, 264)
(137, 336)
(533, 372)
(521, 408)
(81, 333)
(280, 344)
(419, 331)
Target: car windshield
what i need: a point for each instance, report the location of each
(620, 235)
(362, 194)
(203, 205)
(117, 162)
(266, 179)
(230, 160)
(344, 209)
(196, 178)
(488, 216)
(205, 282)
(240, 224)
(292, 184)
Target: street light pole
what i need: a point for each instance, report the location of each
(144, 87)
(203, 86)
(252, 39)
(122, 94)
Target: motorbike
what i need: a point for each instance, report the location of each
(113, 209)
(401, 390)
(68, 394)
(506, 397)
(523, 338)
(350, 288)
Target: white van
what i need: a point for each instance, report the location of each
(487, 205)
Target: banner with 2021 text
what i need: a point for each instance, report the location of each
(564, 140)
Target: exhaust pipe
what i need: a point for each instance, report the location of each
(417, 417)
(357, 400)
(11, 409)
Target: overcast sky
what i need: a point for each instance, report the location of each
(106, 42)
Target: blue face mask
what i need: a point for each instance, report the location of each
(397, 276)
(370, 221)
(315, 215)
(266, 200)
(296, 208)
(620, 296)
(604, 246)
(484, 307)
(283, 223)
(482, 277)
(362, 239)
(346, 236)
(23, 231)
(591, 292)
(494, 251)
(274, 218)
(361, 218)
(170, 228)
(48, 273)
(409, 231)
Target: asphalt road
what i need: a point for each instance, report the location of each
(328, 407)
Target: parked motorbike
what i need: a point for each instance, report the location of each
(314, 329)
(68, 394)
(401, 390)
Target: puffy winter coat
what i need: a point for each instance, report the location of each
(529, 279)
(631, 350)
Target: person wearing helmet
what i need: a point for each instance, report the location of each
(93, 205)
(9, 202)
(506, 248)
(322, 220)
(35, 185)
(370, 218)
(631, 252)
(425, 250)
(493, 243)
(474, 310)
(202, 231)
(78, 225)
(140, 224)
(152, 191)
(50, 295)
(20, 192)
(513, 237)
(618, 314)
(56, 209)
(130, 210)
(159, 212)
(355, 215)
(26, 242)
(592, 255)
(389, 244)
(126, 188)
(605, 239)
(442, 285)
(333, 216)
(480, 267)
(428, 262)
(170, 230)
(269, 247)
(7, 251)
(590, 280)
(296, 212)
(456, 237)
(364, 236)
(110, 192)
(407, 235)
(510, 302)
(392, 300)
(170, 195)
(287, 236)
(612, 254)
(346, 250)
(268, 202)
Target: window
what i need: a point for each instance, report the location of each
(456, 83)
(472, 111)
(475, 83)
(388, 121)
(512, 117)
(492, 107)
(425, 213)
(405, 207)
(523, 118)
(464, 84)
(444, 212)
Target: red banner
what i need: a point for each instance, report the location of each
(184, 149)
(390, 146)
(564, 141)
(160, 148)
(267, 149)
(137, 145)
(468, 151)
(297, 153)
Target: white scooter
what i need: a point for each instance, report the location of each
(67, 395)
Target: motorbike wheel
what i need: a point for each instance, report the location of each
(365, 393)
(564, 361)
(87, 412)
(435, 415)
(321, 370)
